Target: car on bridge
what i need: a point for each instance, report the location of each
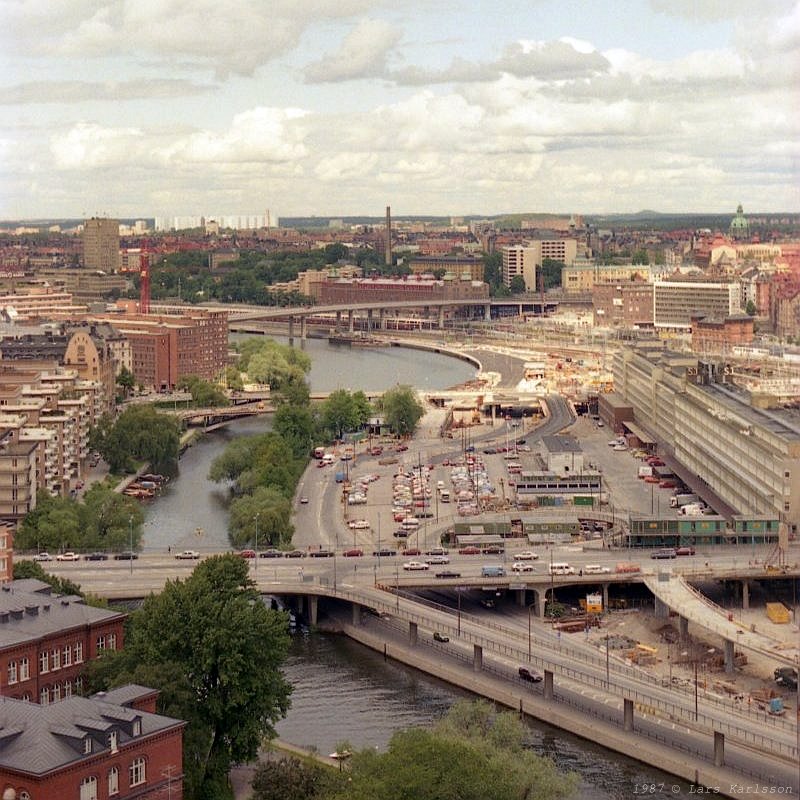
(271, 553)
(322, 554)
(384, 551)
(685, 550)
(414, 566)
(96, 557)
(126, 555)
(414, 551)
(470, 550)
(530, 674)
(296, 554)
(526, 555)
(666, 552)
(188, 554)
(448, 573)
(440, 637)
(437, 559)
(437, 551)
(68, 556)
(522, 566)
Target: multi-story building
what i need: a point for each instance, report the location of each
(583, 275)
(746, 455)
(6, 553)
(85, 285)
(18, 463)
(524, 259)
(383, 290)
(624, 305)
(45, 640)
(109, 745)
(720, 335)
(101, 244)
(457, 266)
(37, 302)
(675, 301)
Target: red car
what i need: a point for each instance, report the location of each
(470, 551)
(354, 552)
(248, 553)
(412, 551)
(684, 550)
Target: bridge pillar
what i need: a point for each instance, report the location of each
(521, 597)
(477, 657)
(730, 667)
(291, 328)
(313, 602)
(487, 312)
(338, 320)
(627, 706)
(605, 596)
(356, 609)
(745, 595)
(683, 628)
(381, 324)
(719, 749)
(548, 684)
(369, 320)
(661, 609)
(441, 317)
(302, 327)
(350, 327)
(413, 633)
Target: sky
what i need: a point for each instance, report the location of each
(141, 108)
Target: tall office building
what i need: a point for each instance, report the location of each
(101, 244)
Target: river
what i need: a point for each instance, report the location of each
(344, 691)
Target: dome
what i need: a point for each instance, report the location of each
(739, 227)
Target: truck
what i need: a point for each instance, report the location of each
(693, 509)
(680, 500)
(645, 472)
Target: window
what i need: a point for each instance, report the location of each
(44, 662)
(78, 685)
(44, 696)
(66, 657)
(112, 741)
(78, 651)
(113, 781)
(23, 795)
(24, 669)
(67, 688)
(12, 672)
(101, 643)
(89, 788)
(111, 641)
(56, 692)
(137, 772)
(55, 659)
(137, 727)
(87, 745)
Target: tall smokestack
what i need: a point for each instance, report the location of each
(388, 236)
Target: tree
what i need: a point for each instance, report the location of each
(215, 650)
(473, 754)
(343, 412)
(139, 433)
(402, 410)
(335, 252)
(53, 525)
(297, 426)
(551, 271)
(204, 393)
(291, 779)
(109, 520)
(126, 381)
(750, 309)
(517, 285)
(233, 378)
(266, 512)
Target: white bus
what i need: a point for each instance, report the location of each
(561, 568)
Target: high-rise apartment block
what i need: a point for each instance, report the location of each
(101, 244)
(524, 259)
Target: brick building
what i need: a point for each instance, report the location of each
(383, 290)
(45, 639)
(458, 266)
(719, 335)
(110, 745)
(624, 305)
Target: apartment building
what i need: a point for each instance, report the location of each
(675, 301)
(583, 275)
(623, 305)
(109, 745)
(720, 335)
(37, 302)
(457, 266)
(746, 455)
(524, 259)
(6, 553)
(384, 290)
(101, 244)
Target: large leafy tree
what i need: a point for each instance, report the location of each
(140, 433)
(344, 411)
(291, 779)
(109, 520)
(266, 513)
(204, 393)
(215, 650)
(402, 409)
(473, 754)
(53, 525)
(297, 425)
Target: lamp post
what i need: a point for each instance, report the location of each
(608, 664)
(130, 536)
(256, 558)
(529, 631)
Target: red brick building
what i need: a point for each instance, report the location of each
(718, 335)
(624, 305)
(383, 290)
(46, 639)
(106, 747)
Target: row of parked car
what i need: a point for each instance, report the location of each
(69, 555)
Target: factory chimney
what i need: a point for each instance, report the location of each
(388, 236)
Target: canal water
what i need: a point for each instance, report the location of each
(343, 691)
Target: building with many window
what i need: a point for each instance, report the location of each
(523, 259)
(101, 244)
(675, 301)
(623, 305)
(110, 745)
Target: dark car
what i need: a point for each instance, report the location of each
(384, 551)
(493, 550)
(667, 552)
(684, 550)
(440, 637)
(96, 557)
(528, 674)
(448, 573)
(126, 555)
(786, 676)
(470, 550)
(321, 554)
(296, 554)
(271, 553)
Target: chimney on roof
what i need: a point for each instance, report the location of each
(388, 236)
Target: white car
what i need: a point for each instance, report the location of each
(358, 524)
(68, 556)
(526, 555)
(437, 559)
(188, 554)
(522, 566)
(415, 565)
(43, 557)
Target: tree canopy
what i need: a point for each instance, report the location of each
(215, 651)
(205, 394)
(140, 433)
(402, 409)
(344, 411)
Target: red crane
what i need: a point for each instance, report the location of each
(144, 282)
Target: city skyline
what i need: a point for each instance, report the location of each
(339, 108)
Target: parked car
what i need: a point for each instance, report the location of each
(321, 554)
(384, 552)
(530, 674)
(96, 557)
(189, 555)
(667, 552)
(440, 637)
(126, 555)
(358, 524)
(248, 553)
(685, 550)
(522, 566)
(353, 552)
(296, 554)
(470, 551)
(414, 551)
(68, 556)
(43, 556)
(271, 553)
(303, 501)
(786, 676)
(437, 551)
(415, 566)
(493, 550)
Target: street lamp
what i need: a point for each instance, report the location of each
(256, 558)
(130, 536)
